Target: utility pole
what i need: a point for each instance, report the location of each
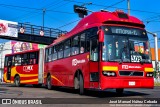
(128, 4)
(156, 51)
(44, 10)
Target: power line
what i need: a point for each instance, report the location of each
(55, 18)
(69, 23)
(24, 9)
(52, 4)
(99, 5)
(60, 5)
(44, 7)
(83, 3)
(114, 4)
(26, 15)
(153, 17)
(6, 5)
(156, 31)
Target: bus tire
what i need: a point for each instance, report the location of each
(49, 84)
(119, 91)
(76, 83)
(81, 85)
(17, 81)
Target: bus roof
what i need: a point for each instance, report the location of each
(22, 52)
(103, 17)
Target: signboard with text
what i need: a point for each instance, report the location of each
(8, 28)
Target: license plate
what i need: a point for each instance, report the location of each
(132, 83)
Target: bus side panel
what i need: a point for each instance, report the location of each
(63, 73)
(28, 73)
(59, 72)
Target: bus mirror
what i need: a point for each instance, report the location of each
(101, 35)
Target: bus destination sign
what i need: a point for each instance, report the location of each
(126, 31)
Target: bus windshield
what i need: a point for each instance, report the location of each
(128, 45)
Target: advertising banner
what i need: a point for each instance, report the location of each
(24, 46)
(8, 28)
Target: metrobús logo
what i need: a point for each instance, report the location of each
(28, 68)
(129, 66)
(75, 61)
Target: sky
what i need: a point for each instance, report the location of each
(60, 14)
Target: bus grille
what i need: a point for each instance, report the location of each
(130, 73)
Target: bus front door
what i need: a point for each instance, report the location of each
(93, 64)
(9, 70)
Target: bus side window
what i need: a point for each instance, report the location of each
(16, 63)
(34, 61)
(9, 63)
(13, 60)
(67, 46)
(82, 43)
(75, 45)
(31, 61)
(17, 60)
(94, 50)
(33, 58)
(24, 59)
(6, 61)
(87, 44)
(46, 55)
(54, 55)
(60, 51)
(92, 40)
(50, 54)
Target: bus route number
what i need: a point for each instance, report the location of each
(135, 58)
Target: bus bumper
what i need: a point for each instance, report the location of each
(127, 83)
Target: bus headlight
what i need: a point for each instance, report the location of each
(149, 74)
(109, 73)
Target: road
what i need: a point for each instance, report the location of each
(9, 91)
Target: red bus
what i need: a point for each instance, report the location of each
(24, 67)
(106, 50)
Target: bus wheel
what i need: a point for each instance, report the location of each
(76, 83)
(119, 91)
(49, 84)
(81, 85)
(17, 81)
